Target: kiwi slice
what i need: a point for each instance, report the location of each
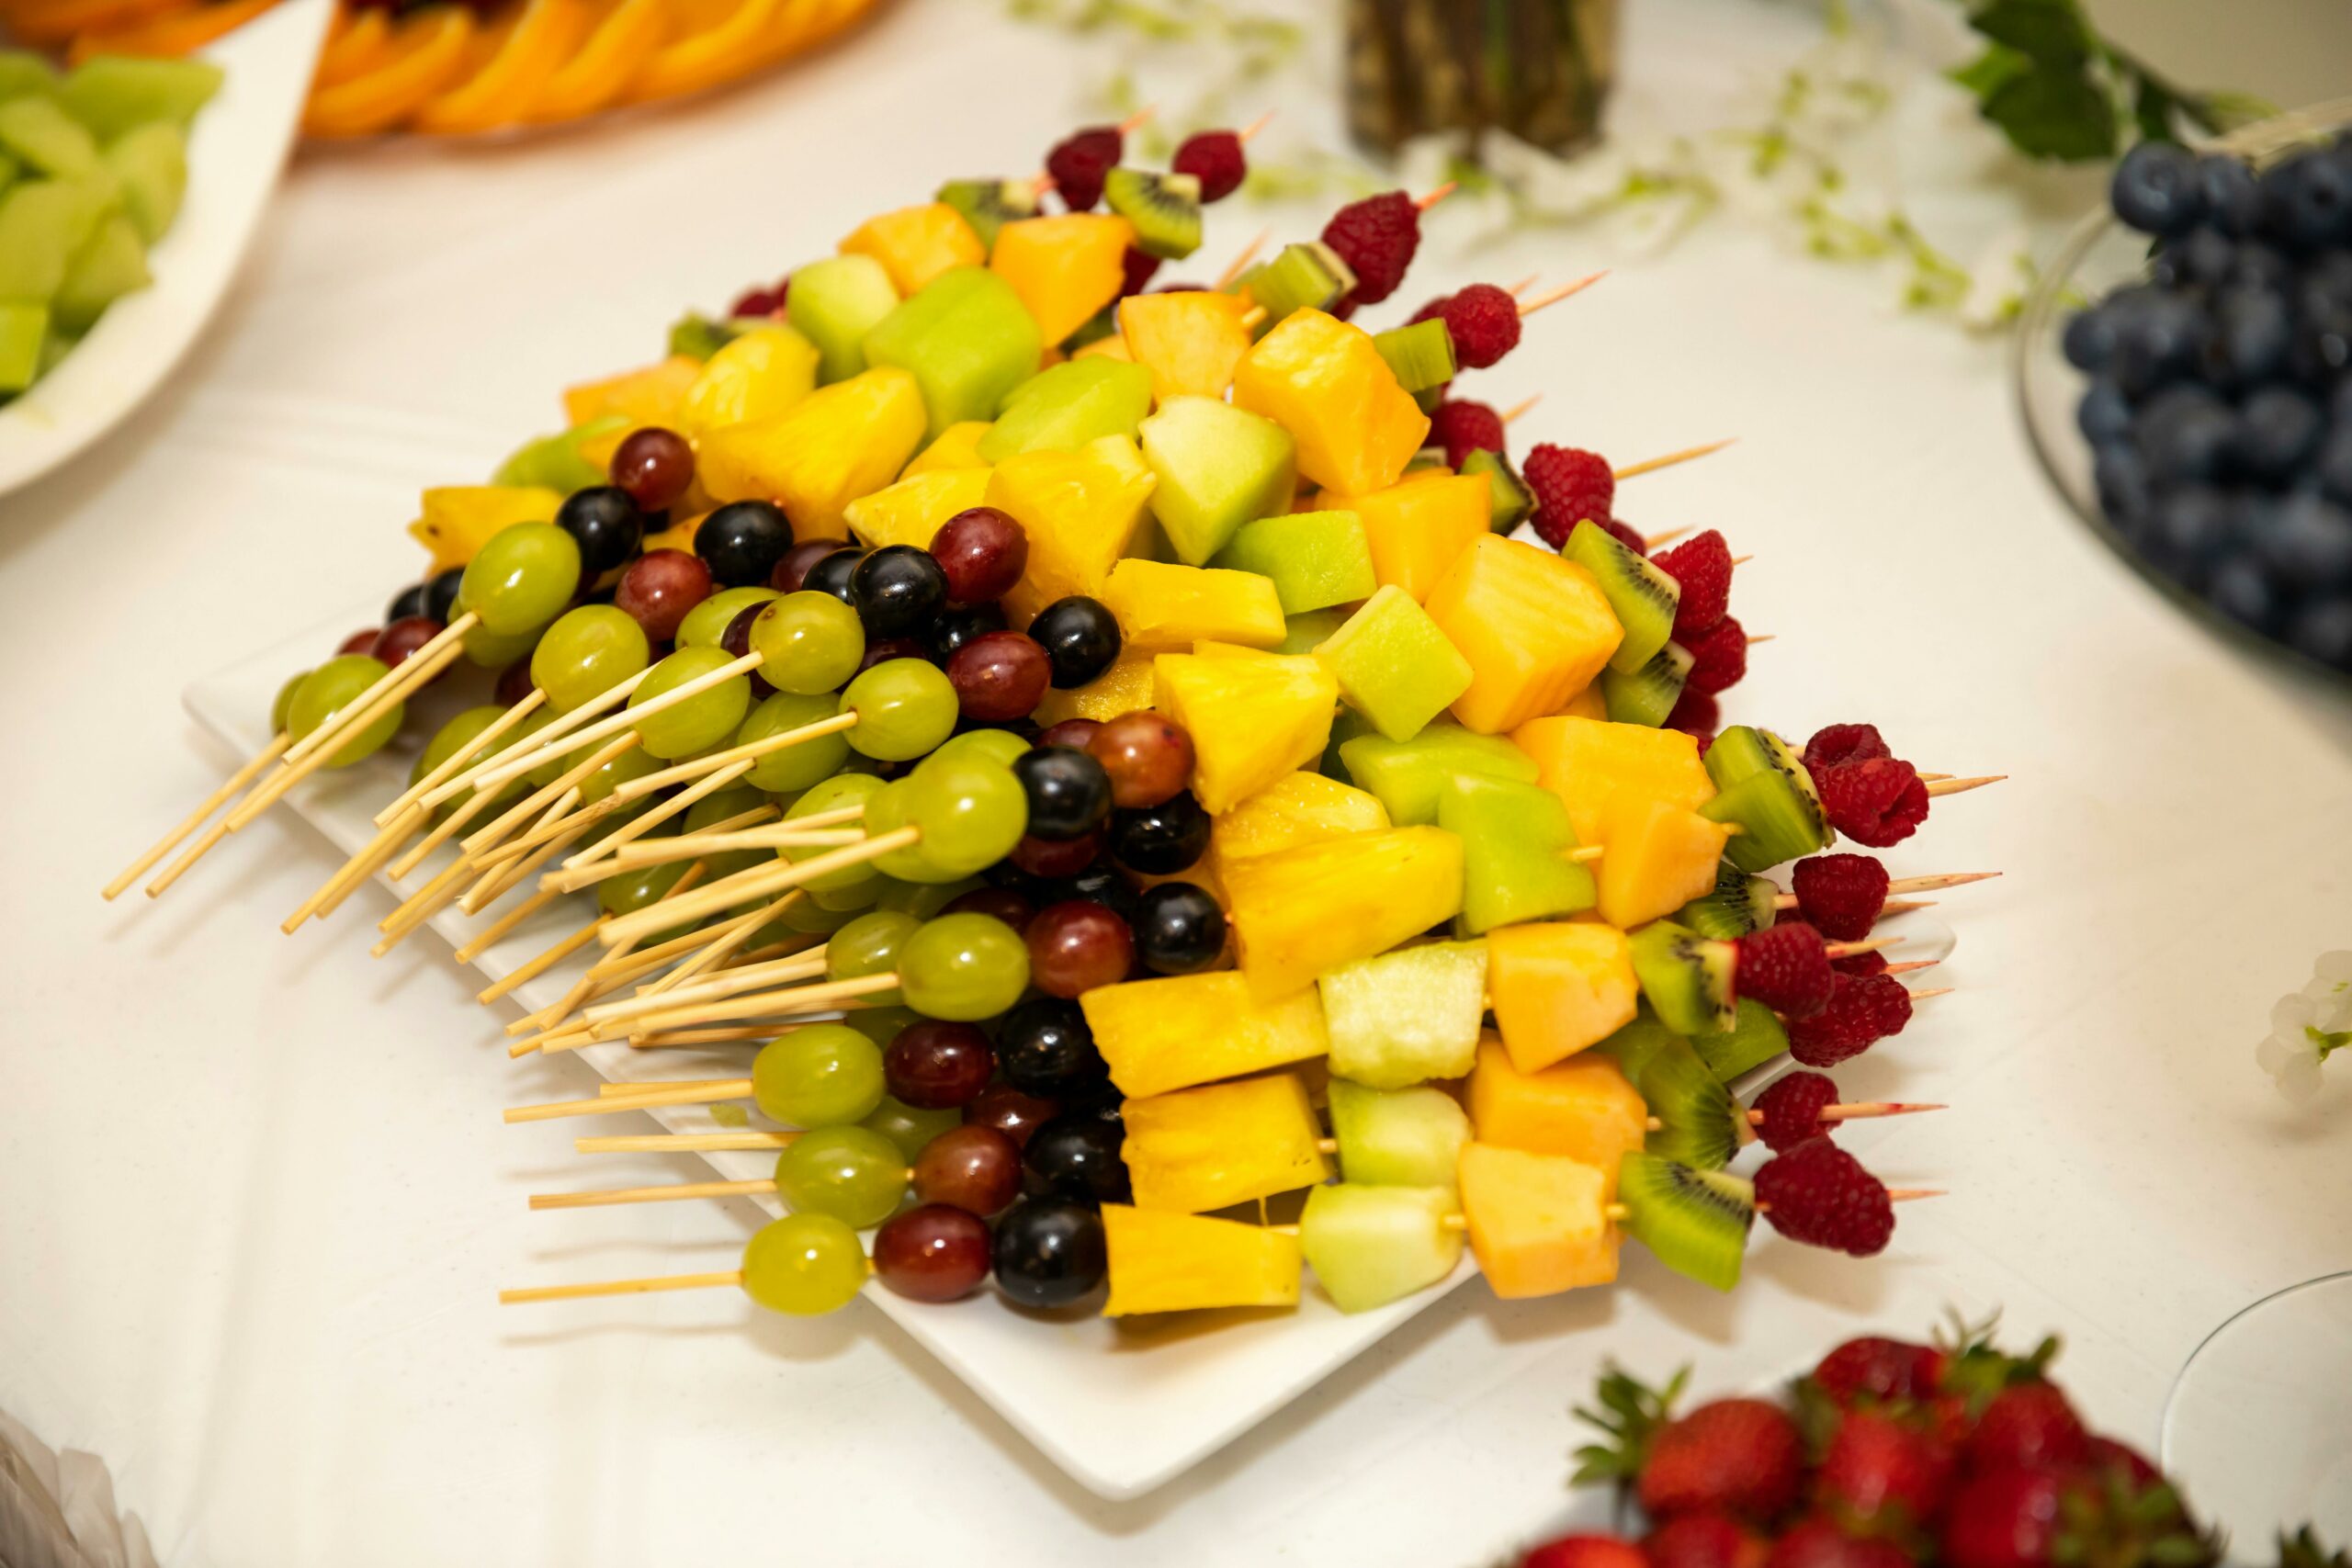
(1638, 1043)
(1094, 329)
(1649, 695)
(1643, 596)
(1686, 978)
(1765, 789)
(1698, 1125)
(696, 336)
(990, 205)
(1754, 1038)
(1165, 210)
(1695, 1220)
(1421, 355)
(1512, 499)
(1308, 277)
(1740, 904)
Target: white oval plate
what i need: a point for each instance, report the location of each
(236, 150)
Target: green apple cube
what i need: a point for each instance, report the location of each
(1371, 1246)
(1394, 665)
(1062, 409)
(43, 225)
(1219, 467)
(1515, 843)
(112, 93)
(967, 339)
(1397, 1137)
(151, 163)
(1407, 1017)
(22, 327)
(112, 265)
(1409, 775)
(1317, 559)
(834, 303)
(47, 139)
(1305, 634)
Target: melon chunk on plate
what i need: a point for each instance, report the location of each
(1585, 1107)
(1539, 1223)
(1558, 987)
(1535, 629)
(1587, 761)
(1397, 1137)
(1406, 1017)
(1655, 857)
(1371, 1246)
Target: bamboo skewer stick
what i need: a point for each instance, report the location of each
(235, 782)
(442, 831)
(498, 931)
(1518, 410)
(650, 852)
(503, 768)
(497, 879)
(732, 982)
(677, 804)
(611, 1104)
(386, 843)
(1910, 885)
(780, 1004)
(394, 685)
(563, 725)
(680, 1143)
(732, 936)
(497, 732)
(1687, 454)
(1541, 301)
(1424, 203)
(1962, 786)
(290, 773)
(783, 740)
(482, 841)
(420, 907)
(1240, 263)
(651, 1195)
(759, 882)
(718, 1034)
(628, 1091)
(710, 842)
(531, 969)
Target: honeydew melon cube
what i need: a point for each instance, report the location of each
(1063, 408)
(111, 265)
(1394, 666)
(1219, 467)
(1397, 1137)
(150, 162)
(1539, 1223)
(1516, 839)
(1584, 1108)
(112, 93)
(1164, 1262)
(22, 329)
(1300, 912)
(1407, 1017)
(11, 171)
(1199, 1149)
(1305, 634)
(47, 139)
(834, 303)
(1162, 607)
(1559, 987)
(1370, 1245)
(1161, 1035)
(1252, 720)
(967, 341)
(1316, 558)
(43, 226)
(1411, 775)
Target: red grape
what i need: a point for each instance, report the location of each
(933, 1253)
(793, 570)
(976, 1168)
(1010, 1111)
(881, 650)
(404, 637)
(1076, 945)
(999, 675)
(934, 1066)
(1056, 858)
(1073, 733)
(361, 641)
(997, 903)
(983, 552)
(1149, 758)
(515, 683)
(655, 466)
(658, 590)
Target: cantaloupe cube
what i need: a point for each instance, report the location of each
(1585, 761)
(1223, 1144)
(958, 447)
(1165, 1262)
(1539, 1223)
(1299, 912)
(1323, 381)
(1535, 627)
(1159, 1035)
(1065, 267)
(915, 244)
(1252, 721)
(1189, 341)
(1655, 857)
(1584, 1108)
(1125, 687)
(647, 396)
(1403, 1017)
(911, 511)
(1297, 809)
(833, 446)
(1163, 607)
(1081, 510)
(1417, 527)
(1558, 987)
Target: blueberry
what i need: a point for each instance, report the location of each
(2277, 429)
(2186, 432)
(2158, 338)
(2322, 631)
(2089, 339)
(2156, 191)
(2257, 265)
(2204, 255)
(2233, 200)
(2251, 334)
(2186, 530)
(2122, 481)
(2307, 201)
(2105, 415)
(2241, 591)
(2308, 544)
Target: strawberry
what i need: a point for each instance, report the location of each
(2027, 1427)
(1704, 1541)
(1879, 1472)
(2007, 1518)
(1741, 1456)
(1585, 1552)
(1818, 1543)
(2107, 1457)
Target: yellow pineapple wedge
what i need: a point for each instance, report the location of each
(454, 521)
(762, 373)
(1324, 381)
(1081, 511)
(1162, 607)
(1223, 1144)
(1252, 719)
(1065, 267)
(911, 511)
(915, 244)
(1159, 1035)
(837, 443)
(958, 447)
(1161, 1262)
(1298, 912)
(1190, 341)
(1125, 687)
(1655, 857)
(1297, 809)
(647, 396)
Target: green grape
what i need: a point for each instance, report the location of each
(630, 765)
(808, 643)
(924, 900)
(457, 735)
(854, 901)
(487, 649)
(604, 827)
(702, 720)
(854, 1174)
(796, 766)
(283, 703)
(709, 621)
(334, 686)
(887, 812)
(635, 890)
(879, 1024)
(972, 812)
(904, 707)
(963, 967)
(833, 794)
(706, 814)
(586, 653)
(998, 745)
(807, 1265)
(546, 772)
(911, 1129)
(820, 1075)
(521, 577)
(802, 917)
(869, 945)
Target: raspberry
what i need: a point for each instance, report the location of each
(760, 301)
(1464, 427)
(1719, 656)
(1838, 743)
(1819, 1194)
(1785, 967)
(1078, 162)
(1792, 1109)
(1863, 1009)
(1702, 564)
(1841, 895)
(1215, 158)
(1860, 964)
(1376, 237)
(1695, 714)
(1878, 802)
(1626, 533)
(1139, 267)
(1482, 320)
(1570, 485)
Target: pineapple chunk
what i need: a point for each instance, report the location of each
(1418, 527)
(1223, 1144)
(1325, 382)
(1558, 987)
(1591, 703)
(1535, 627)
(1157, 1035)
(1299, 912)
(1403, 1017)
(1587, 761)
(1163, 1262)
(1125, 687)
(1539, 1223)
(758, 375)
(1162, 608)
(911, 511)
(1252, 720)
(1655, 859)
(1298, 808)
(915, 244)
(458, 520)
(1584, 1108)
(1081, 511)
(649, 396)
(958, 447)
(835, 445)
(1106, 348)
(1065, 267)
(1190, 341)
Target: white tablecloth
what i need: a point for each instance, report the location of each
(257, 1197)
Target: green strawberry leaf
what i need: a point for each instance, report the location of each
(2054, 114)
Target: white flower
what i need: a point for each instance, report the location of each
(2305, 1029)
(2296, 1071)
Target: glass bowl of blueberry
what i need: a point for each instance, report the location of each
(2185, 372)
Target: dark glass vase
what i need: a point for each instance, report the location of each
(1537, 69)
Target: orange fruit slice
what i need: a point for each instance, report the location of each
(628, 37)
(430, 50)
(46, 23)
(171, 35)
(361, 44)
(543, 38)
(708, 58)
